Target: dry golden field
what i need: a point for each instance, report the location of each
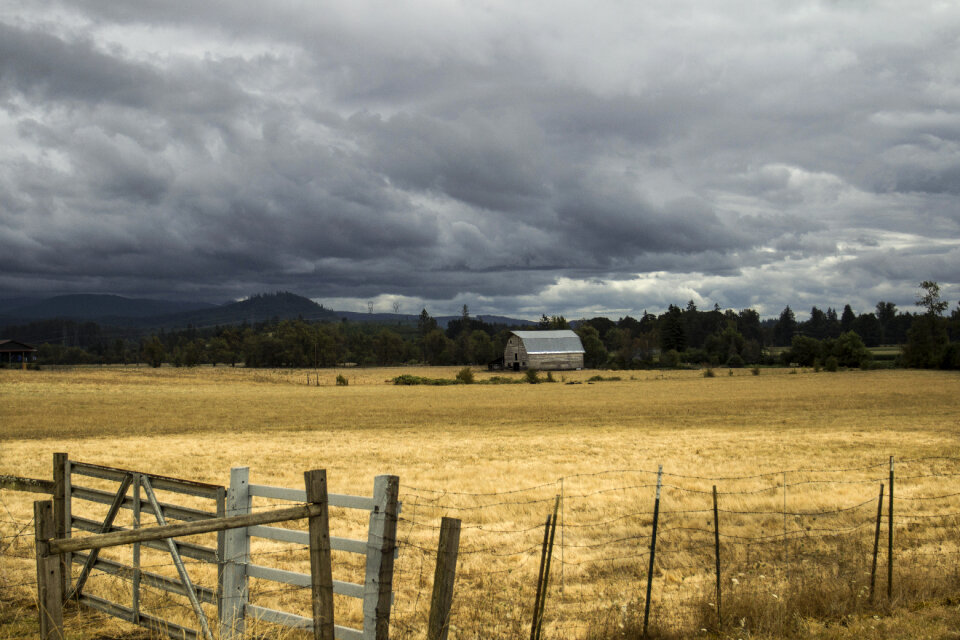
(814, 445)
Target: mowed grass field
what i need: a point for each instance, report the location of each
(459, 450)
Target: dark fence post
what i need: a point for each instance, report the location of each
(543, 564)
(49, 593)
(890, 538)
(443, 578)
(716, 552)
(653, 551)
(321, 570)
(546, 569)
(876, 544)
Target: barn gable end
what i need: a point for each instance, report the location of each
(546, 350)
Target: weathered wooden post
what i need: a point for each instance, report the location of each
(381, 544)
(236, 557)
(221, 548)
(137, 573)
(61, 518)
(49, 592)
(443, 578)
(321, 570)
(876, 544)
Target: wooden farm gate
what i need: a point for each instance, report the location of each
(136, 491)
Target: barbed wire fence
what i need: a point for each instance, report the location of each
(785, 536)
(792, 543)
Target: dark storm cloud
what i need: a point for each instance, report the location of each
(614, 158)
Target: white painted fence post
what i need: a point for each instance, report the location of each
(236, 558)
(381, 544)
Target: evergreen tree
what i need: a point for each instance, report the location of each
(847, 319)
(785, 328)
(672, 332)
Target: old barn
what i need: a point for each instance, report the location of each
(556, 350)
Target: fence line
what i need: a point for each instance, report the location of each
(826, 525)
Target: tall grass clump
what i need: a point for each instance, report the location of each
(790, 605)
(532, 376)
(342, 380)
(465, 376)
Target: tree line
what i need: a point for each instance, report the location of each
(675, 337)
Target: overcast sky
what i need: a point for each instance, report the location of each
(518, 157)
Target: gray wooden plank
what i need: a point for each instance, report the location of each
(173, 511)
(163, 483)
(299, 622)
(293, 578)
(148, 578)
(31, 485)
(300, 495)
(303, 538)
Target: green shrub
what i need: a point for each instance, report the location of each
(342, 380)
(465, 375)
(409, 380)
(755, 371)
(550, 377)
(599, 378)
(708, 373)
(531, 376)
(735, 362)
(832, 364)
(670, 359)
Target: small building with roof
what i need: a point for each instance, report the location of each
(13, 352)
(547, 350)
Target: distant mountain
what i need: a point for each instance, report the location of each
(490, 319)
(130, 316)
(259, 308)
(97, 307)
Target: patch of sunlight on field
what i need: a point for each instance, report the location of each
(198, 423)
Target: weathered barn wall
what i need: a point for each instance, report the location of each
(556, 361)
(515, 354)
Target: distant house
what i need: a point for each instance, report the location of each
(12, 351)
(545, 350)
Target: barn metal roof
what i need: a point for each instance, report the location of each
(558, 341)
